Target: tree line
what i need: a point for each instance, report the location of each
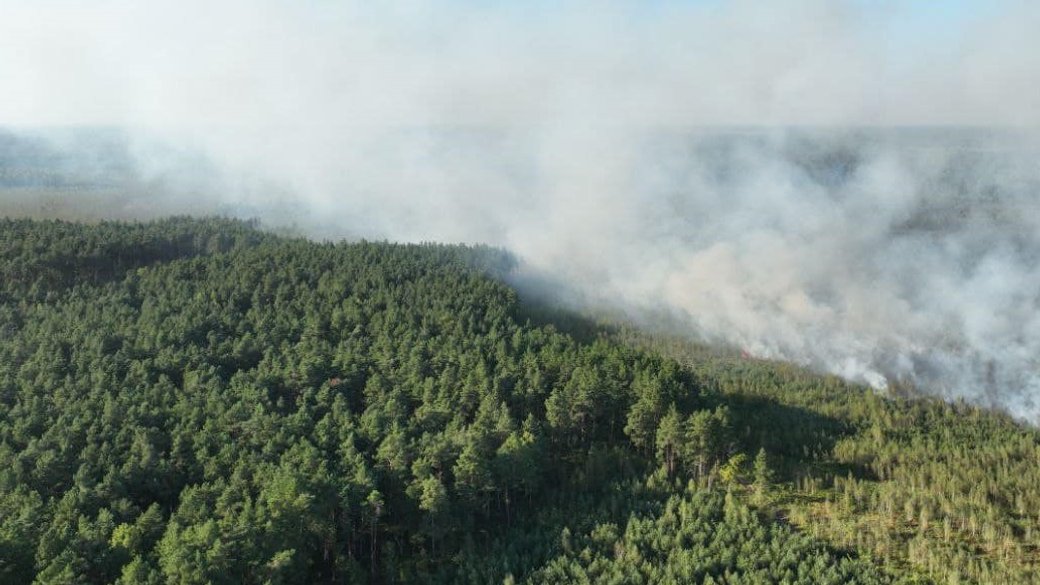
(199, 401)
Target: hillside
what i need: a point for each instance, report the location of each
(198, 401)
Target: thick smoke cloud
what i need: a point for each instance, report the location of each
(745, 167)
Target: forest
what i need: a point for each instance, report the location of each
(193, 401)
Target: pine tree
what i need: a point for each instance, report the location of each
(763, 474)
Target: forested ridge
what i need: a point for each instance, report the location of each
(198, 401)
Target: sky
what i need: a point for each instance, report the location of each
(791, 62)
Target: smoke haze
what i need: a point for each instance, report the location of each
(850, 185)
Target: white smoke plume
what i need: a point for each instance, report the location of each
(853, 185)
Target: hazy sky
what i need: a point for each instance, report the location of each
(696, 62)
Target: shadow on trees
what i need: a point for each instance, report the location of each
(800, 437)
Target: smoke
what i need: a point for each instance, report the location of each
(851, 185)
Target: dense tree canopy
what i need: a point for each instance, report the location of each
(197, 401)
